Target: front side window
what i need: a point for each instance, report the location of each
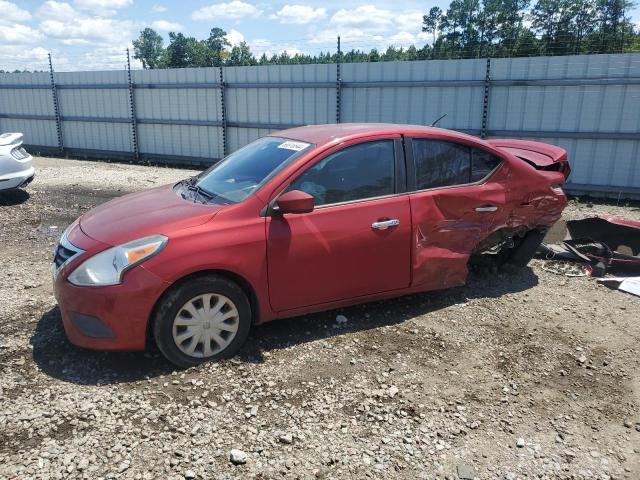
(358, 172)
(244, 171)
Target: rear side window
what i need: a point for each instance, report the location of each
(482, 164)
(362, 171)
(440, 164)
(445, 164)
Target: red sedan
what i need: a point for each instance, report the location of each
(307, 219)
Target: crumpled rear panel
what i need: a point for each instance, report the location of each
(447, 229)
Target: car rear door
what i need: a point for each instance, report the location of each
(356, 241)
(458, 198)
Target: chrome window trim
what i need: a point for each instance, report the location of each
(360, 200)
(482, 181)
(479, 182)
(458, 185)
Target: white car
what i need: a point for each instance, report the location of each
(15, 163)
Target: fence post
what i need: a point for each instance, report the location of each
(338, 82)
(485, 100)
(223, 113)
(132, 110)
(56, 107)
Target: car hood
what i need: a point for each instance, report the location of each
(158, 210)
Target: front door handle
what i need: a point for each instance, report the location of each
(486, 208)
(384, 224)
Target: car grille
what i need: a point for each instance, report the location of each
(63, 253)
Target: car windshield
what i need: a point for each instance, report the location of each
(244, 171)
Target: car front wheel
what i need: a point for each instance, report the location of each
(205, 318)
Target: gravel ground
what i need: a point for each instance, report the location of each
(516, 375)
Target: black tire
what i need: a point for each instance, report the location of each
(523, 252)
(173, 301)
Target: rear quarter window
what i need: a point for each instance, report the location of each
(482, 164)
(440, 164)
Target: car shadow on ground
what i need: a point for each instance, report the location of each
(10, 198)
(56, 357)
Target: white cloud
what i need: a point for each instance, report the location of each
(264, 46)
(369, 18)
(406, 39)
(291, 51)
(60, 21)
(102, 7)
(234, 10)
(410, 21)
(350, 35)
(52, 10)
(75, 41)
(299, 14)
(365, 17)
(165, 26)
(235, 37)
(13, 13)
(111, 57)
(159, 8)
(362, 40)
(94, 30)
(14, 57)
(18, 34)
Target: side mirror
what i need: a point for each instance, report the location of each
(295, 201)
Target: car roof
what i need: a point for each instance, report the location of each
(337, 132)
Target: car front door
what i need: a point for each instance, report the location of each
(356, 241)
(458, 199)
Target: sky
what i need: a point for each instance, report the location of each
(94, 34)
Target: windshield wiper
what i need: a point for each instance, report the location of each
(200, 191)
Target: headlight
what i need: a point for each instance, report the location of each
(108, 267)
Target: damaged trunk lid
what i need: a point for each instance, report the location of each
(540, 156)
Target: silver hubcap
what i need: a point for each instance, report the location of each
(205, 325)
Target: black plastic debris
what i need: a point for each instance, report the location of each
(606, 245)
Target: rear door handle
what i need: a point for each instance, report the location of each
(487, 208)
(384, 224)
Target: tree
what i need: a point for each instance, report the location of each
(241, 55)
(468, 28)
(217, 43)
(513, 35)
(554, 19)
(431, 22)
(177, 54)
(583, 13)
(148, 48)
(199, 54)
(615, 28)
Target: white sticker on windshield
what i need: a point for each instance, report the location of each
(295, 146)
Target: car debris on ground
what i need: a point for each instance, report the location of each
(597, 247)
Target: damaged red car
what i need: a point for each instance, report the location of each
(303, 220)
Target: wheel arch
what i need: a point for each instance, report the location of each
(242, 282)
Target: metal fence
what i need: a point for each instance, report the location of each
(588, 104)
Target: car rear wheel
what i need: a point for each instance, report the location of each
(202, 319)
(524, 250)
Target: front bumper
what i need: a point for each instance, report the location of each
(17, 179)
(107, 318)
